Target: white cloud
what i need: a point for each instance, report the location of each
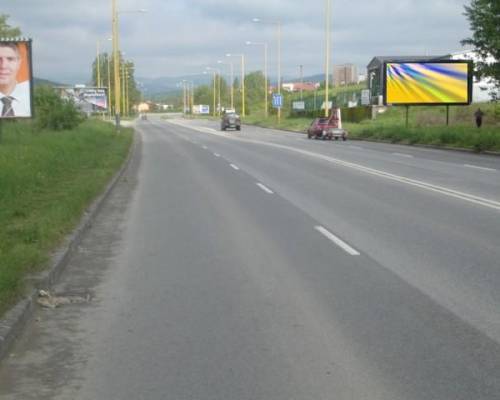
(182, 36)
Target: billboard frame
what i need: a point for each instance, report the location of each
(434, 61)
(29, 52)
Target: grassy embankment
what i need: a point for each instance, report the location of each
(427, 125)
(47, 179)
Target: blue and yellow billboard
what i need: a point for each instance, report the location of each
(428, 83)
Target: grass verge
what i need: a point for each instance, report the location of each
(426, 126)
(47, 180)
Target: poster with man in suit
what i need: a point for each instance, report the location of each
(16, 100)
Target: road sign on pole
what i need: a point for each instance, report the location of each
(277, 100)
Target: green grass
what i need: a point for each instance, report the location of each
(427, 125)
(47, 179)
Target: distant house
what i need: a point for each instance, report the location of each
(298, 86)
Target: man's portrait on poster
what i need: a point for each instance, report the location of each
(15, 79)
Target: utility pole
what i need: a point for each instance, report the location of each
(116, 63)
(109, 84)
(98, 66)
(327, 57)
(301, 81)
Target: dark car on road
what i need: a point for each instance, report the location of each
(230, 120)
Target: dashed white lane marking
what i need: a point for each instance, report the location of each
(355, 147)
(264, 188)
(343, 245)
(205, 147)
(211, 129)
(481, 168)
(402, 155)
(372, 171)
(216, 154)
(234, 167)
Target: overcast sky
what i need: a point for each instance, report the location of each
(181, 37)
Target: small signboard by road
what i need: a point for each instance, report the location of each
(277, 100)
(365, 97)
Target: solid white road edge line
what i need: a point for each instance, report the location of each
(343, 245)
(387, 175)
(234, 167)
(481, 168)
(264, 188)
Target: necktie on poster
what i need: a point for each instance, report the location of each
(7, 110)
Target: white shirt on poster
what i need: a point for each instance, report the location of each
(21, 103)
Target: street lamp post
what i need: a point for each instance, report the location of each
(301, 68)
(327, 56)
(214, 90)
(109, 84)
(266, 86)
(217, 73)
(188, 95)
(116, 57)
(116, 62)
(98, 66)
(192, 97)
(242, 83)
(278, 24)
(231, 78)
(184, 97)
(122, 89)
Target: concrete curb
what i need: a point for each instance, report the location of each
(14, 321)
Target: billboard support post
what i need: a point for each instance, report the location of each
(407, 114)
(447, 115)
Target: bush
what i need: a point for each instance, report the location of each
(356, 114)
(53, 112)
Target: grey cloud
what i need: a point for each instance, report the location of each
(182, 36)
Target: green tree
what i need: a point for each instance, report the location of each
(484, 19)
(54, 112)
(254, 92)
(134, 93)
(7, 31)
(203, 95)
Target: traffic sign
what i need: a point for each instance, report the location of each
(277, 100)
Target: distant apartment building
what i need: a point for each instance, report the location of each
(298, 86)
(346, 74)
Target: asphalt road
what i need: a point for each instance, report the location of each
(262, 265)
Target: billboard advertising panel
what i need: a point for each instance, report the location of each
(88, 100)
(16, 79)
(428, 83)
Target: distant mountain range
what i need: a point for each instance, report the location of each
(46, 82)
(167, 85)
